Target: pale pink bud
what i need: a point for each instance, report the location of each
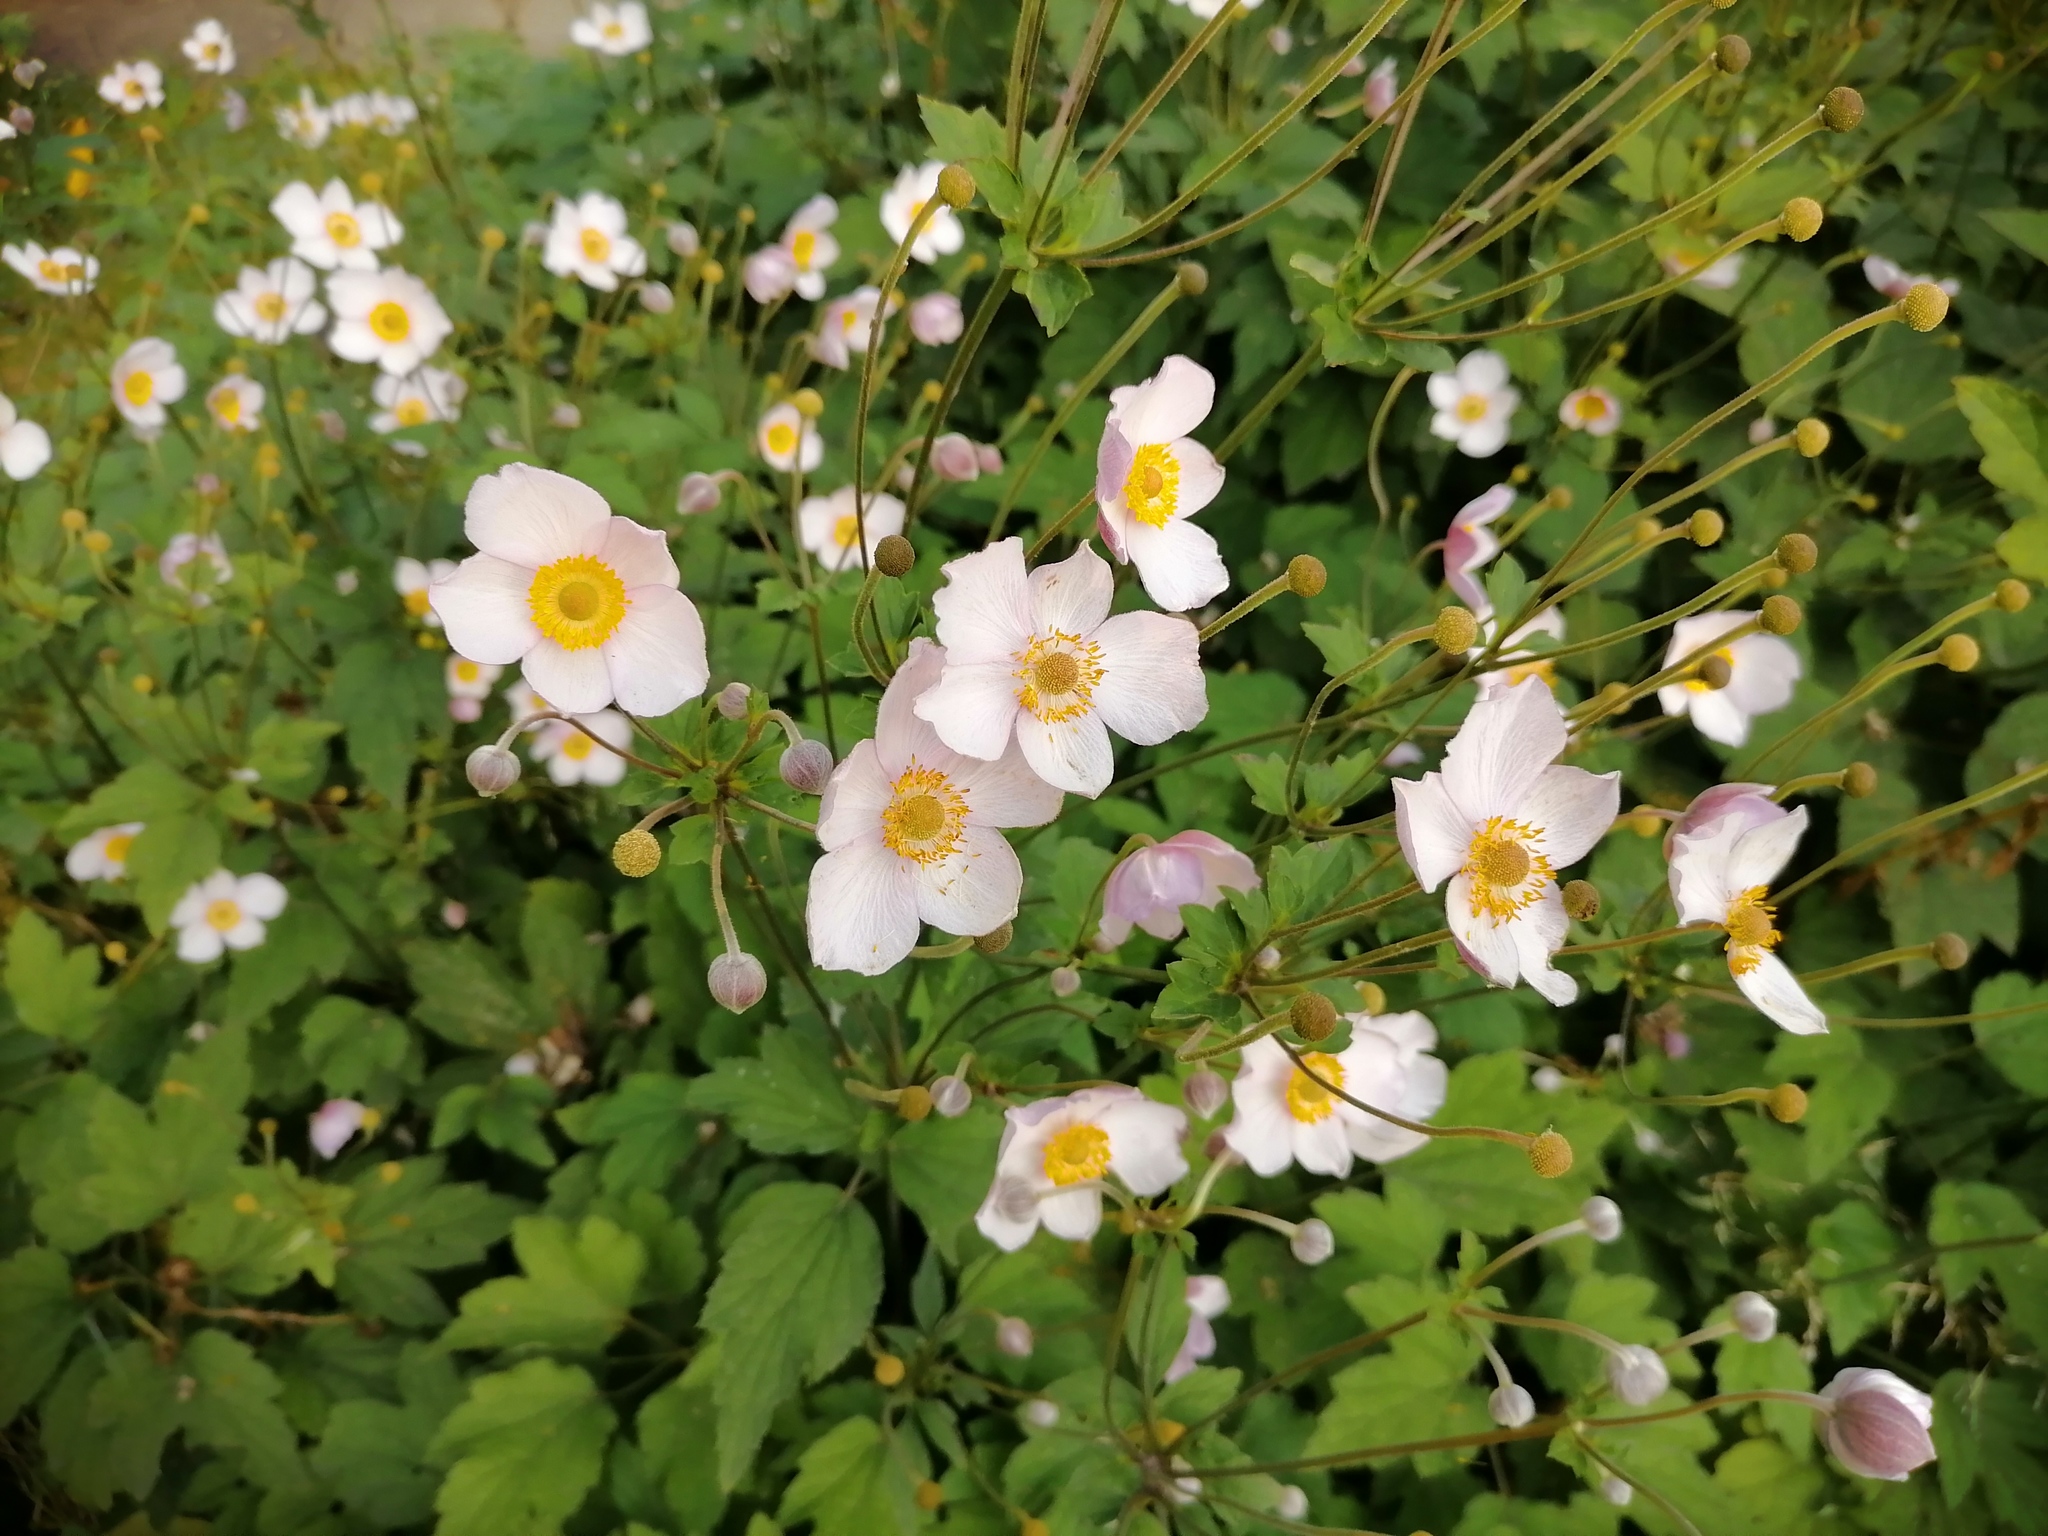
(954, 458)
(737, 981)
(1268, 959)
(1204, 1093)
(1280, 40)
(657, 298)
(454, 916)
(1014, 1338)
(1041, 1413)
(1602, 1218)
(699, 492)
(492, 770)
(468, 711)
(806, 766)
(521, 1064)
(732, 700)
(640, 1011)
(1381, 87)
(682, 239)
(935, 319)
(333, 1125)
(1751, 802)
(1546, 1079)
(331, 426)
(533, 232)
(1879, 1425)
(1313, 1241)
(1292, 1503)
(27, 70)
(1754, 1316)
(951, 1097)
(565, 416)
(23, 120)
(770, 274)
(990, 457)
(1637, 1373)
(1511, 1406)
(1761, 431)
(1151, 886)
(1065, 981)
(1616, 1492)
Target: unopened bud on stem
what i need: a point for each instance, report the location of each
(1014, 1338)
(1797, 553)
(699, 492)
(894, 556)
(1811, 437)
(1602, 1218)
(637, 854)
(1731, 54)
(1313, 1241)
(1841, 109)
(1859, 780)
(1959, 653)
(806, 766)
(1780, 615)
(951, 1096)
(1455, 631)
(1550, 1155)
(1511, 1406)
(1313, 1016)
(914, 1102)
(956, 186)
(1306, 576)
(1802, 218)
(1705, 527)
(1754, 1316)
(1582, 899)
(996, 940)
(1193, 278)
(2011, 595)
(1924, 307)
(1637, 1373)
(492, 770)
(737, 981)
(1951, 951)
(1787, 1103)
(1204, 1093)
(732, 700)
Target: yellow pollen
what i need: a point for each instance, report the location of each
(344, 231)
(926, 819)
(612, 30)
(412, 411)
(1502, 863)
(53, 271)
(1056, 672)
(209, 51)
(1752, 930)
(577, 746)
(222, 915)
(270, 308)
(848, 319)
(1059, 674)
(782, 438)
(416, 602)
(597, 245)
(116, 849)
(390, 322)
(846, 532)
(1152, 488)
(1077, 1155)
(228, 406)
(466, 671)
(577, 602)
(802, 246)
(1472, 408)
(139, 387)
(1308, 1100)
(1505, 876)
(1591, 407)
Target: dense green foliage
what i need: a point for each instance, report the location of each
(670, 1273)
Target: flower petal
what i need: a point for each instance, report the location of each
(1171, 404)
(1072, 1214)
(975, 890)
(1179, 564)
(862, 911)
(656, 655)
(1006, 793)
(1769, 983)
(1760, 854)
(1152, 686)
(1144, 1140)
(1435, 838)
(1506, 742)
(984, 610)
(1539, 932)
(973, 708)
(1574, 808)
(575, 682)
(483, 610)
(533, 517)
(260, 895)
(1073, 755)
(1073, 596)
(1489, 946)
(639, 556)
(851, 806)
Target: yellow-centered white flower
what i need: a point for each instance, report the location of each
(912, 835)
(1474, 404)
(331, 230)
(236, 404)
(413, 581)
(587, 240)
(1762, 672)
(388, 317)
(787, 440)
(1284, 1115)
(808, 241)
(1499, 822)
(845, 324)
(1057, 1154)
(1592, 410)
(1151, 477)
(133, 87)
(573, 758)
(1721, 873)
(432, 394)
(831, 529)
(304, 122)
(270, 305)
(210, 49)
(65, 271)
(616, 30)
(1037, 657)
(587, 603)
(145, 380)
(103, 855)
(915, 186)
(225, 911)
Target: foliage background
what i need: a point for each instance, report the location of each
(634, 1299)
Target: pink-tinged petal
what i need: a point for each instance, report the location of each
(260, 895)
(1073, 596)
(1761, 853)
(1701, 887)
(984, 610)
(973, 708)
(1444, 391)
(899, 734)
(1072, 1214)
(639, 555)
(1769, 983)
(1113, 522)
(656, 655)
(1574, 808)
(484, 612)
(1506, 742)
(1005, 793)
(1171, 404)
(862, 911)
(1152, 686)
(1074, 755)
(1201, 477)
(852, 804)
(975, 890)
(1113, 457)
(1764, 673)
(1484, 508)
(1539, 932)
(575, 682)
(1179, 564)
(1488, 947)
(1144, 1141)
(1435, 837)
(534, 517)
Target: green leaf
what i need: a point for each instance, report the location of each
(353, 1047)
(466, 995)
(2026, 228)
(2008, 1250)
(1416, 1391)
(958, 134)
(646, 1124)
(55, 992)
(406, 1222)
(849, 1483)
(1852, 1240)
(2011, 426)
(678, 1434)
(262, 1230)
(796, 1290)
(940, 1168)
(1989, 1433)
(373, 1453)
(567, 969)
(288, 754)
(2018, 1044)
(521, 1451)
(105, 1423)
(38, 1311)
(169, 857)
(150, 791)
(574, 1292)
(1055, 290)
(231, 1405)
(788, 1099)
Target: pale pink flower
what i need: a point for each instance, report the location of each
(1189, 869)
(1284, 1116)
(1056, 1155)
(1208, 1298)
(1879, 1427)
(1151, 477)
(1470, 545)
(1762, 672)
(334, 1125)
(1592, 410)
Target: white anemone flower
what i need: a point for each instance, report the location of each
(392, 115)
(469, 683)
(573, 758)
(24, 445)
(350, 111)
(331, 230)
(1523, 660)
(1498, 822)
(1039, 658)
(915, 186)
(102, 855)
(145, 379)
(1762, 670)
(236, 404)
(210, 49)
(616, 30)
(912, 835)
(432, 394)
(831, 530)
(587, 240)
(1721, 873)
(388, 317)
(1151, 477)
(524, 704)
(186, 550)
(65, 271)
(1592, 410)
(225, 911)
(808, 241)
(1470, 545)
(845, 324)
(1209, 10)
(769, 274)
(133, 87)
(1474, 404)
(787, 440)
(304, 122)
(1286, 1116)
(1057, 1154)
(413, 581)
(588, 604)
(270, 305)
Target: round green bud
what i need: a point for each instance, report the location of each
(1780, 615)
(1581, 900)
(1959, 653)
(1193, 278)
(1313, 1016)
(2011, 596)
(956, 186)
(1306, 576)
(1456, 630)
(1731, 54)
(1859, 780)
(1951, 951)
(1797, 553)
(1705, 527)
(1841, 109)
(1811, 437)
(1802, 219)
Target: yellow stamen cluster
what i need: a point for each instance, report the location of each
(1152, 488)
(1751, 929)
(1506, 877)
(1058, 674)
(1308, 1101)
(1077, 1155)
(577, 602)
(925, 821)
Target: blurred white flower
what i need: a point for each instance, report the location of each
(413, 580)
(1895, 282)
(808, 242)
(387, 317)
(1056, 1155)
(616, 30)
(331, 230)
(63, 271)
(210, 49)
(831, 531)
(103, 855)
(573, 758)
(1285, 1116)
(234, 110)
(236, 404)
(391, 115)
(587, 240)
(133, 87)
(225, 911)
(787, 440)
(270, 305)
(915, 186)
(1593, 411)
(334, 1124)
(24, 446)
(936, 320)
(1691, 262)
(145, 379)
(304, 122)
(1151, 477)
(1474, 404)
(1208, 1297)
(469, 683)
(431, 394)
(1381, 87)
(1762, 672)
(185, 550)
(845, 324)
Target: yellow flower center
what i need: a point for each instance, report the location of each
(53, 271)
(1077, 1155)
(926, 818)
(849, 317)
(1699, 685)
(577, 602)
(1472, 408)
(270, 308)
(117, 846)
(209, 51)
(1058, 674)
(1308, 1100)
(227, 405)
(139, 387)
(344, 231)
(613, 31)
(133, 88)
(416, 602)
(577, 746)
(411, 411)
(846, 532)
(1506, 877)
(223, 914)
(782, 438)
(1752, 930)
(466, 671)
(802, 246)
(389, 321)
(1591, 407)
(597, 245)
(1152, 488)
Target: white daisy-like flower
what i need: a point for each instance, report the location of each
(24, 445)
(184, 551)
(388, 317)
(1285, 1116)
(145, 379)
(808, 241)
(133, 87)
(1470, 545)
(787, 440)
(769, 274)
(587, 603)
(432, 394)
(1057, 1154)
(392, 115)
(1762, 671)
(210, 49)
(1721, 873)
(64, 271)
(225, 911)
(1498, 822)
(350, 111)
(236, 404)
(573, 758)
(1039, 658)
(102, 855)
(304, 122)
(831, 530)
(1474, 404)
(525, 704)
(412, 580)
(270, 305)
(616, 30)
(1592, 410)
(915, 186)
(587, 240)
(1151, 477)
(911, 833)
(845, 324)
(331, 230)
(469, 683)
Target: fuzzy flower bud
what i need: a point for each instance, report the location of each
(1306, 576)
(1951, 951)
(1014, 1338)
(935, 319)
(1511, 1406)
(732, 700)
(1754, 1316)
(806, 766)
(894, 556)
(1581, 900)
(1879, 1425)
(1065, 981)
(1841, 109)
(1637, 1373)
(1780, 615)
(1602, 1218)
(1796, 553)
(1456, 630)
(1550, 1155)
(1705, 527)
(1312, 1016)
(657, 298)
(951, 1097)
(996, 940)
(1731, 54)
(1859, 780)
(637, 854)
(954, 458)
(1924, 307)
(699, 492)
(956, 186)
(1959, 653)
(683, 240)
(737, 981)
(1204, 1093)
(1802, 219)
(914, 1103)
(1313, 1241)
(1787, 1103)
(492, 770)
(2011, 595)
(1616, 1492)
(1040, 1413)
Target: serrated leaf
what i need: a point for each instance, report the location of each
(849, 1483)
(56, 992)
(38, 1311)
(2011, 426)
(466, 996)
(787, 1099)
(521, 1451)
(170, 856)
(646, 1125)
(574, 1291)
